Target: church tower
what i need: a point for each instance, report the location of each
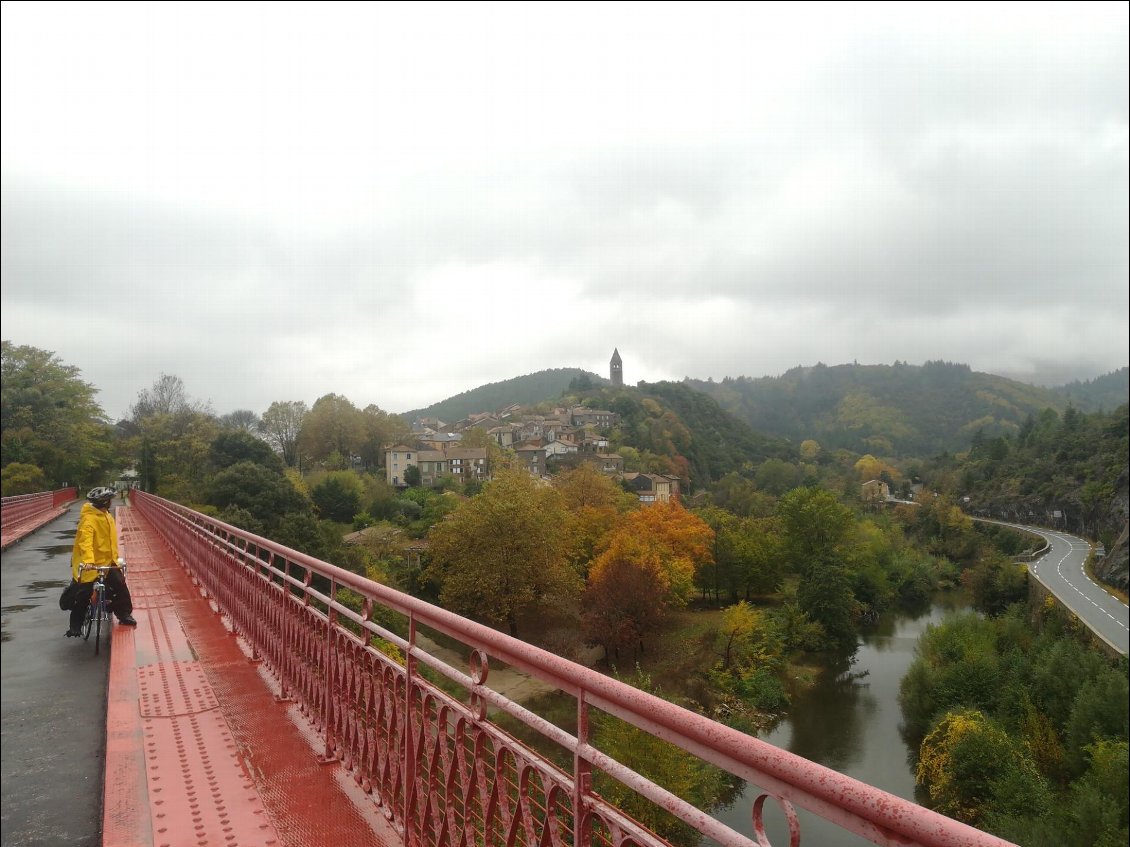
(616, 369)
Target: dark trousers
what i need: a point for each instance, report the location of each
(117, 592)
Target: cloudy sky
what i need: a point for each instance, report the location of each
(399, 202)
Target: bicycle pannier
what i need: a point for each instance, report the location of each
(70, 595)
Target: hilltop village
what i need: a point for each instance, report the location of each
(565, 437)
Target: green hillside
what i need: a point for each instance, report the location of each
(528, 390)
(895, 410)
(687, 432)
(1098, 395)
(1068, 470)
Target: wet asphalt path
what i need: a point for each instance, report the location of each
(53, 719)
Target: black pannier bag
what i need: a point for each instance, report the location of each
(69, 596)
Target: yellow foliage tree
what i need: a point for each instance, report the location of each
(504, 552)
(664, 538)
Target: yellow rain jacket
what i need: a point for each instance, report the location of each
(96, 541)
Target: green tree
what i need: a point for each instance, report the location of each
(18, 478)
(239, 445)
(1098, 801)
(777, 476)
(170, 437)
(685, 775)
(502, 553)
(1101, 711)
(49, 419)
(265, 494)
(815, 527)
(998, 582)
(382, 431)
(338, 496)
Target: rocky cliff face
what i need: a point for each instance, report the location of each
(1114, 569)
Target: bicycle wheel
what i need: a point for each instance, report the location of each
(88, 621)
(101, 613)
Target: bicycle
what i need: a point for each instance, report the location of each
(99, 607)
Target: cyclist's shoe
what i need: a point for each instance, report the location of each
(72, 633)
(127, 621)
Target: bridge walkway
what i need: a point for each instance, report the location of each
(15, 531)
(199, 749)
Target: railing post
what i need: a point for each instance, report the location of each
(330, 754)
(408, 767)
(582, 776)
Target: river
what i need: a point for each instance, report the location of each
(849, 721)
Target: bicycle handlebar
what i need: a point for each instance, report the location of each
(102, 569)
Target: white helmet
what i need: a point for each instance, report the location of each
(101, 493)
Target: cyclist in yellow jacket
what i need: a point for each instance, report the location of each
(96, 543)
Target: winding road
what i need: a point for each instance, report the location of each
(1062, 571)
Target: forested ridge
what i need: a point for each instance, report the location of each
(1068, 470)
(898, 410)
(527, 390)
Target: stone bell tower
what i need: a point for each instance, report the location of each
(616, 369)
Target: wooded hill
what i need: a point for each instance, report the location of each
(1068, 470)
(698, 439)
(897, 410)
(528, 390)
(1098, 395)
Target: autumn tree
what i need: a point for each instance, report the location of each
(648, 566)
(594, 503)
(664, 537)
(968, 765)
(751, 645)
(502, 553)
(281, 425)
(477, 436)
(624, 602)
(810, 450)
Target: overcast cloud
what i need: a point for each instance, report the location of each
(399, 202)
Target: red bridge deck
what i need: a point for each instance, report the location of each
(200, 750)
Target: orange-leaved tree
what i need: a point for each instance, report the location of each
(648, 566)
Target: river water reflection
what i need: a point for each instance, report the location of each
(849, 721)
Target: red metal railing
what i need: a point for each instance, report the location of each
(14, 510)
(437, 766)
